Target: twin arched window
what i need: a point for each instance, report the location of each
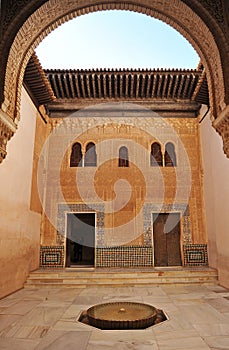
(156, 158)
(90, 158)
(123, 160)
(156, 155)
(170, 155)
(76, 155)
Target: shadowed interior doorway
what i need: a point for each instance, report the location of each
(80, 241)
(166, 239)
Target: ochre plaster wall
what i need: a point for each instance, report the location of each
(107, 173)
(19, 226)
(216, 195)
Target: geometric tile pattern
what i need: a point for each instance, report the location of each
(124, 256)
(185, 221)
(51, 256)
(80, 208)
(195, 255)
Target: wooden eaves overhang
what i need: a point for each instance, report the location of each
(125, 84)
(37, 84)
(174, 92)
(170, 92)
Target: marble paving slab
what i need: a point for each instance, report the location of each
(21, 307)
(47, 319)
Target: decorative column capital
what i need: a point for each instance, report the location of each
(221, 124)
(7, 130)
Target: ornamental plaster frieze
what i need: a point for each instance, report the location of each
(156, 126)
(215, 8)
(7, 130)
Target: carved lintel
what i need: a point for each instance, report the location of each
(221, 124)
(7, 130)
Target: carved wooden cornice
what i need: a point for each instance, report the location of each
(37, 83)
(136, 84)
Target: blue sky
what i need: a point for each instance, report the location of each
(116, 39)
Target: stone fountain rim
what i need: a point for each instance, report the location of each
(154, 311)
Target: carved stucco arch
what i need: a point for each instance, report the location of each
(54, 13)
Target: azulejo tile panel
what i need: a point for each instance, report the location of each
(80, 208)
(51, 256)
(195, 255)
(124, 256)
(183, 209)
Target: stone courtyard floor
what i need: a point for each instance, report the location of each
(46, 318)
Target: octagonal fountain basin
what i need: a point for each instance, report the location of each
(123, 315)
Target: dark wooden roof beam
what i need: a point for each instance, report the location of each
(137, 79)
(57, 91)
(94, 86)
(187, 84)
(88, 87)
(98, 82)
(176, 86)
(66, 85)
(132, 86)
(158, 91)
(61, 85)
(83, 86)
(115, 86)
(77, 86)
(72, 87)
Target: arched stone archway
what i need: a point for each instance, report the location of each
(53, 13)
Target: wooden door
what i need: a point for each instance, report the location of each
(166, 238)
(80, 244)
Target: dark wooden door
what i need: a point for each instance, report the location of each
(80, 244)
(166, 238)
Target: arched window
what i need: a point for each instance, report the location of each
(123, 160)
(170, 155)
(76, 155)
(90, 158)
(156, 155)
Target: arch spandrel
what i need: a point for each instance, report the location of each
(54, 13)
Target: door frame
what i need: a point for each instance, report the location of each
(181, 235)
(66, 231)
